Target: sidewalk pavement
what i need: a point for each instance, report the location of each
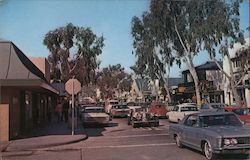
(50, 135)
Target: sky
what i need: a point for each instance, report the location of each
(25, 23)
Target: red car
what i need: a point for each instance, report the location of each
(159, 109)
(242, 112)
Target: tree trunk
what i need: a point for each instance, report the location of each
(196, 82)
(232, 84)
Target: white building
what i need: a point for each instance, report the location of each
(240, 72)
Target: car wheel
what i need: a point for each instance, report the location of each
(134, 125)
(129, 122)
(178, 141)
(156, 124)
(208, 152)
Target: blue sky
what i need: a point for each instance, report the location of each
(25, 22)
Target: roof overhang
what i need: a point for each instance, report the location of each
(27, 83)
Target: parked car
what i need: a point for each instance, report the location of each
(242, 112)
(119, 110)
(212, 133)
(139, 116)
(159, 109)
(212, 107)
(179, 112)
(109, 104)
(95, 115)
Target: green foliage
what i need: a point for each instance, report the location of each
(202, 25)
(74, 51)
(113, 78)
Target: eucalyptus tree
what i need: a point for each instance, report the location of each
(188, 27)
(153, 57)
(73, 52)
(113, 79)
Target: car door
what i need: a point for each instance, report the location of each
(191, 131)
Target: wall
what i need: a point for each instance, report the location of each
(4, 122)
(217, 77)
(11, 96)
(43, 65)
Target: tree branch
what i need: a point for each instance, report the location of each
(178, 34)
(219, 66)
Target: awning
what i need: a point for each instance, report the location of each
(27, 83)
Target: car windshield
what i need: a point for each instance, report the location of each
(188, 108)
(217, 106)
(218, 120)
(112, 103)
(94, 110)
(242, 111)
(120, 107)
(138, 109)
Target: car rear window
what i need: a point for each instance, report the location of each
(94, 110)
(120, 107)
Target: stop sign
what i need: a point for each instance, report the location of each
(73, 86)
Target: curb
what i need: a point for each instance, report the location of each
(5, 148)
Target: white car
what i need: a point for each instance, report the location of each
(95, 115)
(179, 112)
(119, 110)
(109, 104)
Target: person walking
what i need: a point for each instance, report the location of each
(59, 110)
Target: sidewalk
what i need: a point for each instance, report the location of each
(52, 134)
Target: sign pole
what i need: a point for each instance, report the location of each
(73, 103)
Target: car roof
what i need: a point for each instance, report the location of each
(134, 107)
(211, 113)
(186, 105)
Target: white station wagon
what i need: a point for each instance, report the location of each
(180, 111)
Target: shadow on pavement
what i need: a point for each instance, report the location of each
(223, 157)
(94, 130)
(51, 128)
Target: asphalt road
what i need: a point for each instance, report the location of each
(121, 142)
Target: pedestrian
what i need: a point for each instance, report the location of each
(58, 111)
(66, 110)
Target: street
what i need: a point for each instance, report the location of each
(119, 142)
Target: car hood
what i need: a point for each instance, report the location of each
(96, 115)
(230, 131)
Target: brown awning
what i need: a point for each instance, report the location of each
(27, 83)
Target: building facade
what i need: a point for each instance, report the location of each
(25, 89)
(210, 82)
(240, 59)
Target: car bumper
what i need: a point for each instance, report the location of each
(122, 114)
(146, 122)
(233, 150)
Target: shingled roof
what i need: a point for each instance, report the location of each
(15, 66)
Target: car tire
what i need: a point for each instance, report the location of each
(129, 122)
(156, 124)
(134, 125)
(208, 151)
(178, 142)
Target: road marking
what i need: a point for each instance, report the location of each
(130, 146)
(132, 136)
(143, 135)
